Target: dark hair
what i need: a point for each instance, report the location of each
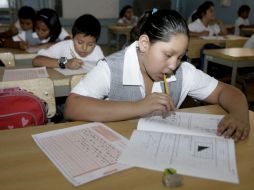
(26, 12)
(51, 19)
(243, 8)
(88, 25)
(160, 25)
(203, 8)
(123, 10)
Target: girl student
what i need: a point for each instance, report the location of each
(129, 84)
(47, 31)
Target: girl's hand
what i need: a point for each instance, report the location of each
(156, 102)
(74, 63)
(23, 45)
(232, 127)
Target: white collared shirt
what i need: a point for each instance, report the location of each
(96, 83)
(198, 26)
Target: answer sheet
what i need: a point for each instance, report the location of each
(88, 66)
(24, 74)
(205, 157)
(83, 153)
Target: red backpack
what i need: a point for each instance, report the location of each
(19, 108)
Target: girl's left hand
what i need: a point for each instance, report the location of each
(232, 127)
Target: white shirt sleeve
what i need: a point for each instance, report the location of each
(96, 83)
(63, 34)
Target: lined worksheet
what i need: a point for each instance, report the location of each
(204, 157)
(24, 74)
(83, 153)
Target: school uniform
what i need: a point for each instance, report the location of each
(198, 26)
(250, 42)
(133, 21)
(118, 77)
(66, 49)
(240, 21)
(33, 39)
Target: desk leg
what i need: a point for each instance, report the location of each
(205, 64)
(234, 73)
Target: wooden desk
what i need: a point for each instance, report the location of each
(117, 30)
(18, 53)
(61, 82)
(196, 43)
(231, 57)
(247, 31)
(24, 166)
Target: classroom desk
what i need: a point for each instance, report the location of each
(24, 166)
(231, 57)
(247, 31)
(18, 53)
(61, 82)
(117, 30)
(196, 43)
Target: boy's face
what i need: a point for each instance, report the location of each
(26, 24)
(83, 44)
(163, 57)
(42, 30)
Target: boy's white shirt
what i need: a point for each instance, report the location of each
(66, 49)
(96, 84)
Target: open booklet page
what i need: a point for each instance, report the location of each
(83, 153)
(182, 123)
(186, 142)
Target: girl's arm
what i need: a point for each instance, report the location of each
(236, 123)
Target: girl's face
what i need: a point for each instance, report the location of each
(83, 44)
(42, 30)
(210, 13)
(26, 24)
(129, 13)
(163, 57)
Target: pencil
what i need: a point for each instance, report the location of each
(166, 85)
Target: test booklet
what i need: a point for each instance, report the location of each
(86, 67)
(85, 152)
(25, 74)
(186, 142)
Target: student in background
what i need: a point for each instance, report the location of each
(207, 24)
(26, 16)
(127, 17)
(243, 19)
(129, 84)
(48, 30)
(250, 42)
(75, 52)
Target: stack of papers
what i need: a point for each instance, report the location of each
(186, 142)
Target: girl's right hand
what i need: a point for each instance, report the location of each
(74, 63)
(156, 102)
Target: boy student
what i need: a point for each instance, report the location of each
(75, 52)
(25, 22)
(132, 80)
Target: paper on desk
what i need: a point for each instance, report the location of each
(186, 142)
(89, 65)
(83, 153)
(24, 74)
(212, 37)
(182, 123)
(204, 157)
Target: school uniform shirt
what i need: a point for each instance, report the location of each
(33, 39)
(240, 21)
(66, 49)
(133, 21)
(198, 26)
(250, 42)
(97, 82)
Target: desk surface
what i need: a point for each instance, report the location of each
(18, 53)
(196, 43)
(234, 54)
(24, 166)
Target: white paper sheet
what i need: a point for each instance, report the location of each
(212, 37)
(83, 153)
(24, 74)
(186, 142)
(182, 123)
(88, 66)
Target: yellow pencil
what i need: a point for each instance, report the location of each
(166, 85)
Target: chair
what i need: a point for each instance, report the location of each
(74, 80)
(7, 59)
(41, 87)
